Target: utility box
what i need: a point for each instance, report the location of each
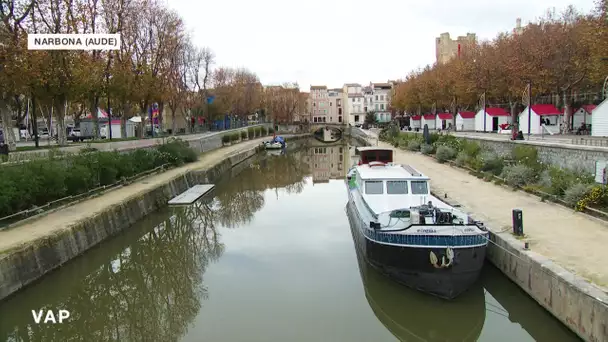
(518, 222)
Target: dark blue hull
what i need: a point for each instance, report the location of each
(412, 266)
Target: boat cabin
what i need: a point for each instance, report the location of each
(374, 154)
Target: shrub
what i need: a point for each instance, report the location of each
(449, 141)
(471, 148)
(258, 131)
(426, 149)
(234, 137)
(488, 176)
(462, 159)
(528, 156)
(445, 153)
(518, 175)
(35, 183)
(413, 145)
(556, 180)
(597, 195)
(263, 131)
(490, 161)
(226, 138)
(270, 130)
(575, 193)
(251, 132)
(243, 135)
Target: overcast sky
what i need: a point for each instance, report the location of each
(332, 42)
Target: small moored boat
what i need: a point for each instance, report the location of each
(277, 143)
(408, 234)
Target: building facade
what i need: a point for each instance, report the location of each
(327, 162)
(320, 104)
(335, 105)
(354, 103)
(447, 48)
(381, 93)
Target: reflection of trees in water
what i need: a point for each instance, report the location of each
(150, 291)
(241, 196)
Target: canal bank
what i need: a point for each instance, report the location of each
(29, 251)
(273, 238)
(561, 270)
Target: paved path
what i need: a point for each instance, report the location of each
(571, 239)
(64, 218)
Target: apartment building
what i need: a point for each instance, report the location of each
(382, 100)
(335, 105)
(354, 103)
(447, 48)
(320, 104)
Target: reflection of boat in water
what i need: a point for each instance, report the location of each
(413, 316)
(407, 233)
(270, 145)
(275, 152)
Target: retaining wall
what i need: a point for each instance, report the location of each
(578, 304)
(558, 154)
(20, 267)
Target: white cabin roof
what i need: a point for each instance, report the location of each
(394, 171)
(373, 148)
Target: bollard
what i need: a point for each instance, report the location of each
(518, 222)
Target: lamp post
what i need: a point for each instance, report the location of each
(605, 86)
(483, 104)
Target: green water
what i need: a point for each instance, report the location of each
(268, 257)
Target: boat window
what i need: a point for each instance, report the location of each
(396, 187)
(385, 156)
(374, 188)
(420, 188)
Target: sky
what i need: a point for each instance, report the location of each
(332, 42)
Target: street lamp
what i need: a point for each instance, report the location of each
(605, 86)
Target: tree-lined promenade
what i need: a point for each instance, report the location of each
(157, 63)
(562, 56)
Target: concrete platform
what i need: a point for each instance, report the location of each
(192, 195)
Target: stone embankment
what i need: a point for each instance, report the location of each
(563, 269)
(30, 250)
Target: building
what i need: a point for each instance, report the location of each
(415, 122)
(381, 93)
(444, 120)
(446, 48)
(429, 120)
(547, 112)
(494, 117)
(582, 116)
(336, 109)
(354, 103)
(465, 121)
(320, 104)
(518, 29)
(599, 120)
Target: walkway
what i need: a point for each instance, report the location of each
(574, 241)
(64, 218)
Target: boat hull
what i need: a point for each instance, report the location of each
(412, 266)
(273, 146)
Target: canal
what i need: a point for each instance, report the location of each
(268, 256)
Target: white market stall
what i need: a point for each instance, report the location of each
(428, 119)
(465, 121)
(599, 120)
(582, 116)
(415, 121)
(539, 113)
(443, 120)
(491, 121)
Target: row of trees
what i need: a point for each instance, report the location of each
(157, 63)
(562, 56)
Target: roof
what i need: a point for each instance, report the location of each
(416, 117)
(394, 171)
(589, 108)
(496, 111)
(545, 109)
(373, 148)
(467, 115)
(355, 95)
(429, 116)
(318, 87)
(445, 116)
(352, 84)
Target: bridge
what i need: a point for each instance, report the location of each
(342, 128)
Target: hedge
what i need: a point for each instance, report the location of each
(521, 168)
(38, 182)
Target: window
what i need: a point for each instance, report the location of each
(314, 104)
(331, 118)
(396, 187)
(339, 117)
(376, 106)
(419, 188)
(374, 187)
(381, 97)
(339, 111)
(365, 109)
(356, 118)
(376, 97)
(382, 106)
(330, 103)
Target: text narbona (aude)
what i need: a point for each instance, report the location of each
(93, 41)
(50, 316)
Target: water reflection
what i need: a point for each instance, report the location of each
(414, 316)
(146, 289)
